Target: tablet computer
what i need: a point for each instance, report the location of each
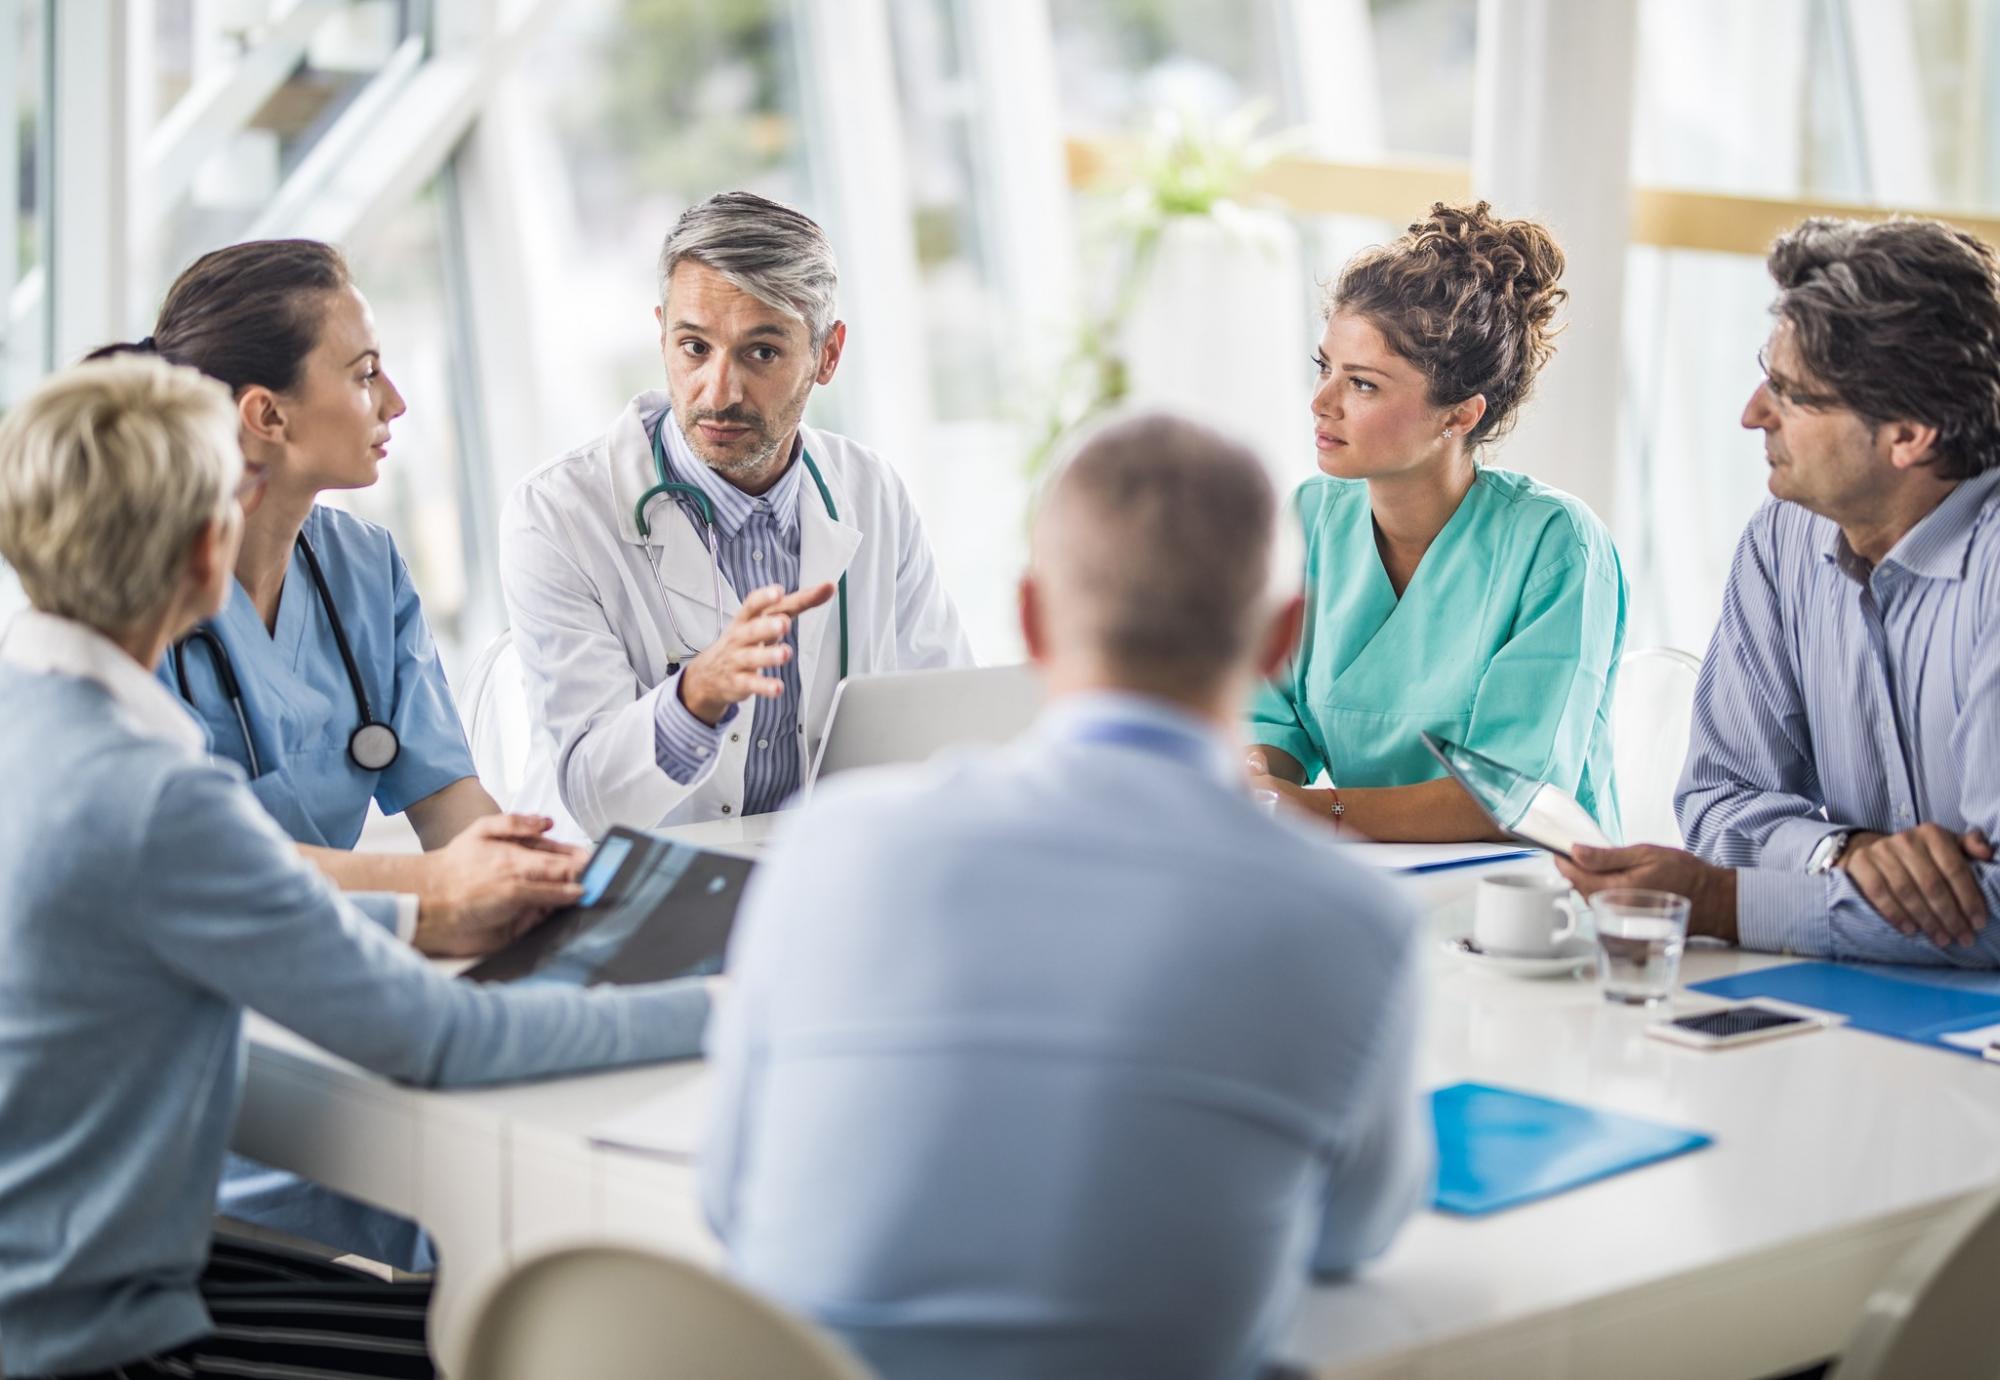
(1519, 806)
(651, 909)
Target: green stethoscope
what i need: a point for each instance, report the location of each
(671, 488)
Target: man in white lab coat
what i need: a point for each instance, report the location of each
(687, 589)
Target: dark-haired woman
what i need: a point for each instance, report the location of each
(319, 677)
(1447, 596)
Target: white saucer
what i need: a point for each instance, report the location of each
(1572, 954)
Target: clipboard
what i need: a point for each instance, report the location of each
(1519, 806)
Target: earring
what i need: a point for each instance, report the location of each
(1447, 431)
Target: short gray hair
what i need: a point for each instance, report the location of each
(1159, 544)
(776, 254)
(108, 473)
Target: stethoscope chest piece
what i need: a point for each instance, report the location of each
(374, 747)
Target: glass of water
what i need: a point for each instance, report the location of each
(1640, 935)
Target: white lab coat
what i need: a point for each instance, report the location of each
(596, 630)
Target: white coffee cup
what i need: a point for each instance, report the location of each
(1523, 915)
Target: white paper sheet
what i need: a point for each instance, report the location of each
(670, 1125)
(1976, 1040)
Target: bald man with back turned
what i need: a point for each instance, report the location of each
(1066, 1058)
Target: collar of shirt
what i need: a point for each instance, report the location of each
(1937, 547)
(37, 641)
(1147, 724)
(733, 507)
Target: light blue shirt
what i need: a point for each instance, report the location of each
(301, 711)
(1839, 697)
(299, 702)
(145, 902)
(757, 544)
(1095, 1060)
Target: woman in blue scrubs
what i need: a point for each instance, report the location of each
(319, 676)
(1445, 595)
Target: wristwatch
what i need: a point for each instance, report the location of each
(1829, 849)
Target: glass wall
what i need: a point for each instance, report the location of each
(512, 271)
(1861, 101)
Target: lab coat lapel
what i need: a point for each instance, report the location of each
(676, 544)
(826, 549)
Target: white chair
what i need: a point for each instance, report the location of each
(613, 1313)
(1934, 1316)
(1650, 719)
(496, 718)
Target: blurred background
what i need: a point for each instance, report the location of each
(1040, 207)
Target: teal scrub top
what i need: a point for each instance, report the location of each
(300, 703)
(1506, 641)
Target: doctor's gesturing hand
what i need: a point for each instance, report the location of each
(731, 669)
(498, 877)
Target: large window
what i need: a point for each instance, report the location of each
(635, 110)
(503, 171)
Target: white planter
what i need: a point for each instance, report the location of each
(1218, 329)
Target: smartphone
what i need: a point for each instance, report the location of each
(1740, 1024)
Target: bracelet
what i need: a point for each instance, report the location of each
(1338, 808)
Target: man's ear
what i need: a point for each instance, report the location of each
(829, 352)
(1281, 637)
(1034, 636)
(1907, 444)
(261, 415)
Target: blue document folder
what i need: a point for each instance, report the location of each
(1921, 1011)
(1498, 1148)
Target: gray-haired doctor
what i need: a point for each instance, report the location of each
(687, 589)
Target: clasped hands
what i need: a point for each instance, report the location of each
(500, 876)
(1920, 880)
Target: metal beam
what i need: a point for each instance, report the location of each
(89, 248)
(221, 102)
(1663, 217)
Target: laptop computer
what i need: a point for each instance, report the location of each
(908, 716)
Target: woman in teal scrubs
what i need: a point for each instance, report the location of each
(1445, 596)
(319, 677)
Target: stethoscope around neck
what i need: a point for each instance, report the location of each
(669, 487)
(373, 746)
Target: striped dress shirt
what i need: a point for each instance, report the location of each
(757, 543)
(1836, 696)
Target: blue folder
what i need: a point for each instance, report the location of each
(1920, 1011)
(1498, 1148)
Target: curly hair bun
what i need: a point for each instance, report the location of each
(1467, 297)
(1515, 260)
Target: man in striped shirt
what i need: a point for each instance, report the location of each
(1840, 788)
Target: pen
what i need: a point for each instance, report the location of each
(1991, 1053)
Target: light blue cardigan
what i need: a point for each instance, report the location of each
(145, 902)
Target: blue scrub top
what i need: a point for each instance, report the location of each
(301, 709)
(298, 699)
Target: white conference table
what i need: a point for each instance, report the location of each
(1833, 1152)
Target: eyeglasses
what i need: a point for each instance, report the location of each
(1791, 394)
